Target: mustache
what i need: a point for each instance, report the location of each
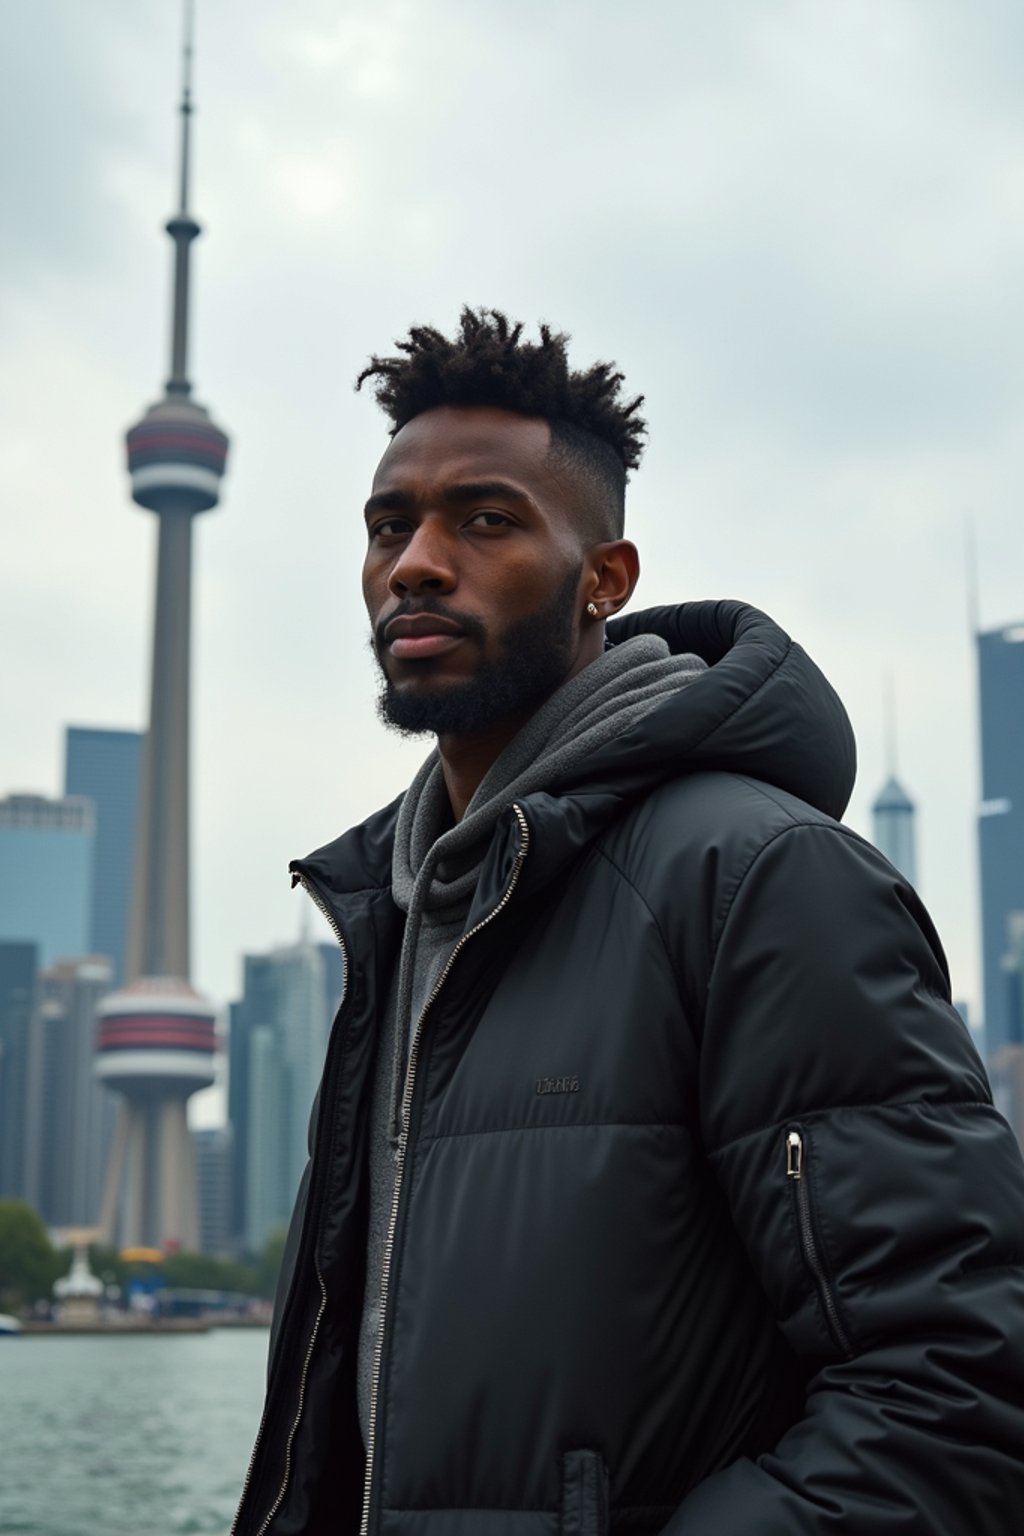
(416, 608)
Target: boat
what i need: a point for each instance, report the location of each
(9, 1326)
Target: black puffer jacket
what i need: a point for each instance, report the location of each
(705, 1221)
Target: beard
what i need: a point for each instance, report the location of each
(535, 659)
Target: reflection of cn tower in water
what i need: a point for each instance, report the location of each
(155, 1043)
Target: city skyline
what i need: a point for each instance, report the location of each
(828, 365)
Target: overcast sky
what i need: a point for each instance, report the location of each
(797, 227)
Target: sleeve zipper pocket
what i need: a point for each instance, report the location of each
(797, 1173)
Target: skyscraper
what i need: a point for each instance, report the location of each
(1006, 1065)
(1001, 824)
(71, 1115)
(157, 1036)
(279, 1031)
(18, 966)
(46, 858)
(104, 766)
(240, 1025)
(213, 1166)
(892, 818)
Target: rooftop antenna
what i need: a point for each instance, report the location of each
(971, 575)
(889, 727)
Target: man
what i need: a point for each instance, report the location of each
(655, 1184)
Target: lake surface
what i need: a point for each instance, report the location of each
(127, 1436)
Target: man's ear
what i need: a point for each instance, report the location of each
(613, 570)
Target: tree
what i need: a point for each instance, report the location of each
(29, 1264)
(204, 1272)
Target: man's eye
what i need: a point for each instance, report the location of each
(488, 517)
(389, 528)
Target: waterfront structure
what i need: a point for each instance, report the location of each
(1001, 824)
(892, 816)
(279, 1031)
(157, 1036)
(19, 964)
(70, 1115)
(103, 765)
(155, 1045)
(46, 859)
(79, 1293)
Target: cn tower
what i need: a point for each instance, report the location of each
(155, 1041)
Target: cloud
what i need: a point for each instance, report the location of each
(798, 228)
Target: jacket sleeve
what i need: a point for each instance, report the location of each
(880, 1198)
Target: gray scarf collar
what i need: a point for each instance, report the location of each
(435, 870)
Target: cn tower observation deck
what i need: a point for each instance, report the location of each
(176, 457)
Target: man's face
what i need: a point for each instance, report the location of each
(472, 573)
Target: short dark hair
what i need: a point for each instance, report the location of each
(594, 430)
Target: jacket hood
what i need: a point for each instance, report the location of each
(762, 708)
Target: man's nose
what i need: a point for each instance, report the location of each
(425, 563)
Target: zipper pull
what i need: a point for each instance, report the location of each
(794, 1156)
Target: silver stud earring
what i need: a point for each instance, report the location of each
(592, 609)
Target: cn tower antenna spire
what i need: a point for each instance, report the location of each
(186, 99)
(182, 227)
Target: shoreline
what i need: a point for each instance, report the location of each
(132, 1329)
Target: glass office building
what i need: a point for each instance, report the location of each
(892, 817)
(104, 766)
(46, 864)
(1001, 826)
(18, 967)
(278, 1040)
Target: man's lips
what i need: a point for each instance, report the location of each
(415, 636)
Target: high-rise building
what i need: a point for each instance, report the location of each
(157, 1037)
(70, 1115)
(46, 858)
(892, 818)
(212, 1146)
(18, 967)
(279, 1031)
(1006, 1065)
(1001, 823)
(240, 1027)
(103, 765)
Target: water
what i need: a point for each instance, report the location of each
(127, 1436)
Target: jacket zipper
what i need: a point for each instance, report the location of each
(322, 907)
(272, 1511)
(808, 1241)
(332, 922)
(403, 1142)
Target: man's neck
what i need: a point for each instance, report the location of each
(466, 759)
